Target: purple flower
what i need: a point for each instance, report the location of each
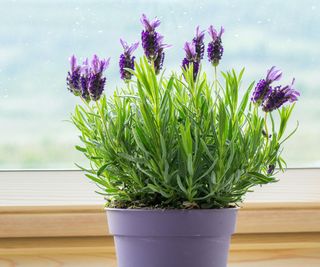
(263, 87)
(215, 48)
(73, 78)
(271, 168)
(191, 58)
(198, 42)
(152, 42)
(127, 60)
(261, 91)
(88, 78)
(279, 96)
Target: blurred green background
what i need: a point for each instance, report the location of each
(37, 38)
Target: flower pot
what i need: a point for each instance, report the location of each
(172, 238)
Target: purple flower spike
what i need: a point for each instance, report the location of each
(127, 60)
(73, 78)
(191, 58)
(263, 87)
(87, 80)
(95, 79)
(215, 48)
(151, 40)
(198, 41)
(152, 43)
(279, 96)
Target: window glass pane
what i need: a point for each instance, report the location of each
(37, 37)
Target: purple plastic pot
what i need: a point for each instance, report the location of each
(172, 238)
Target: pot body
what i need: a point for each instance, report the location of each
(172, 238)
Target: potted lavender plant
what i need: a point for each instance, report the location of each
(174, 155)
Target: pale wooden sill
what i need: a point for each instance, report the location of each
(63, 221)
(247, 250)
(61, 204)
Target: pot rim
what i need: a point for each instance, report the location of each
(173, 222)
(170, 210)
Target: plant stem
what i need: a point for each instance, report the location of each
(266, 128)
(101, 115)
(215, 79)
(86, 103)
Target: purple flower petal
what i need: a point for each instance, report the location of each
(191, 58)
(279, 96)
(95, 63)
(129, 49)
(73, 63)
(199, 34)
(221, 32)
(124, 44)
(133, 47)
(273, 75)
(212, 32)
(149, 25)
(190, 50)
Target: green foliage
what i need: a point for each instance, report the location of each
(179, 143)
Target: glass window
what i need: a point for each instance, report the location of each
(37, 38)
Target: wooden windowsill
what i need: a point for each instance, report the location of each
(60, 204)
(63, 221)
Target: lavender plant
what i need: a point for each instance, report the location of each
(183, 140)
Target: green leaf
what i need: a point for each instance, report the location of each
(81, 149)
(102, 169)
